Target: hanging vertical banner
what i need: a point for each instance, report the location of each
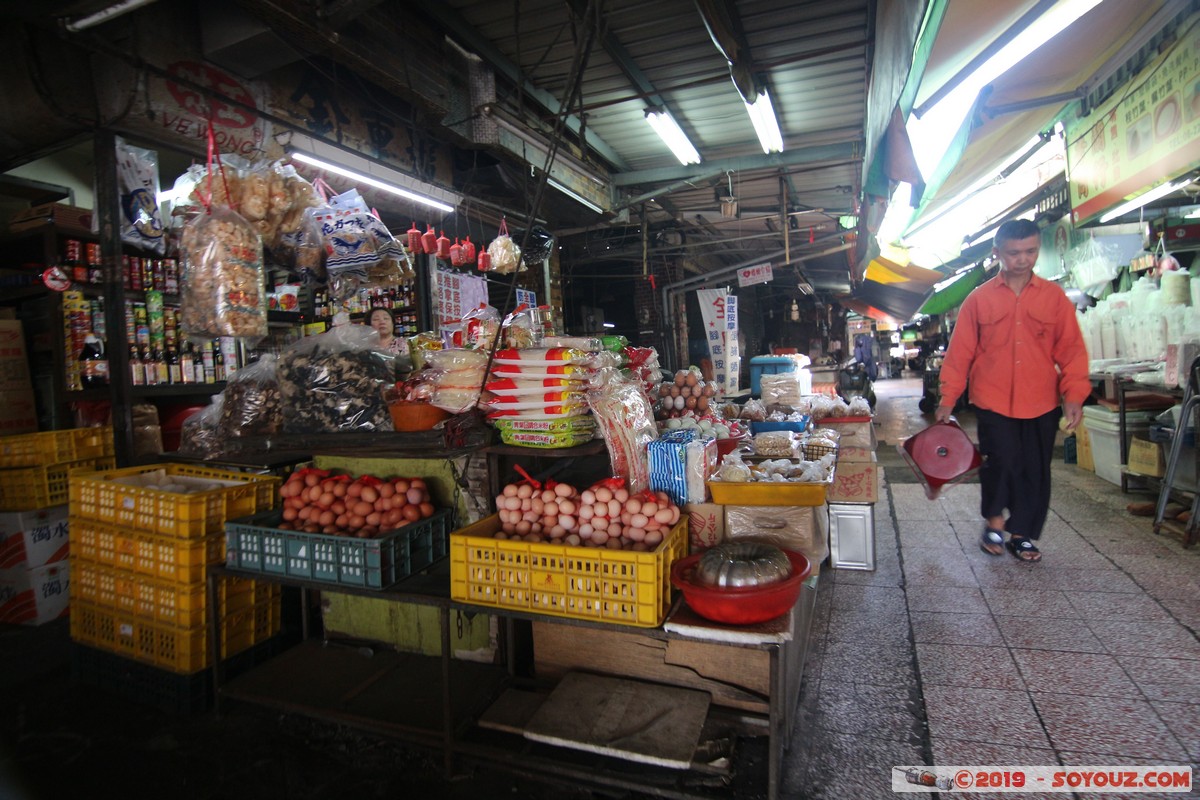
(733, 351)
(454, 295)
(718, 309)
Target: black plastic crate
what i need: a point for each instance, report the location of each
(256, 544)
(169, 692)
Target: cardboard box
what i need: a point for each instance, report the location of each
(59, 215)
(1146, 458)
(32, 538)
(14, 358)
(706, 525)
(1084, 458)
(18, 412)
(855, 482)
(793, 527)
(856, 454)
(34, 596)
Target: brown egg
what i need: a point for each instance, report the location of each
(691, 402)
(692, 379)
(680, 378)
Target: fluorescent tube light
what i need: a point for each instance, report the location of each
(367, 180)
(610, 324)
(805, 287)
(578, 198)
(673, 136)
(762, 114)
(984, 237)
(105, 14)
(1157, 193)
(1194, 215)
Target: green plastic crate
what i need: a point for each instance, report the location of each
(256, 544)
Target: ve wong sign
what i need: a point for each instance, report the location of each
(1142, 135)
(749, 276)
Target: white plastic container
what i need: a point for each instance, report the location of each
(1104, 432)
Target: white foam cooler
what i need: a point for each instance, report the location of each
(1104, 430)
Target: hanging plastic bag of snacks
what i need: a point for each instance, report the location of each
(137, 176)
(503, 252)
(222, 289)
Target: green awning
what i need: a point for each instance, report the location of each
(952, 292)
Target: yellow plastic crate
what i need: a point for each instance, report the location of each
(93, 541)
(53, 447)
(150, 554)
(620, 586)
(768, 493)
(103, 497)
(183, 605)
(178, 649)
(23, 488)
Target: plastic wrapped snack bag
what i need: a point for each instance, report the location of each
(222, 291)
(627, 423)
(137, 177)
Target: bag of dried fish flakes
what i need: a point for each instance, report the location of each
(222, 290)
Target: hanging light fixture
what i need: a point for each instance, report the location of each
(795, 310)
(673, 136)
(361, 177)
(762, 114)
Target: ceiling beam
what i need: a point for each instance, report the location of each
(788, 158)
(452, 21)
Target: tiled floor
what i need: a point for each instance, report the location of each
(953, 657)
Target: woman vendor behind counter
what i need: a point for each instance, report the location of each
(384, 323)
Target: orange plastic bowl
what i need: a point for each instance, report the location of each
(744, 605)
(409, 415)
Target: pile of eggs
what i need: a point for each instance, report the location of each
(602, 516)
(688, 393)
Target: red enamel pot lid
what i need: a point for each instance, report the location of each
(943, 452)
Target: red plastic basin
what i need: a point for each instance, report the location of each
(744, 605)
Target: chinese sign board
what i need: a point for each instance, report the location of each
(748, 276)
(527, 298)
(719, 311)
(454, 295)
(1144, 134)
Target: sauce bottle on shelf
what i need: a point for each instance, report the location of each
(93, 364)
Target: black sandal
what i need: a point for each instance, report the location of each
(992, 542)
(1023, 549)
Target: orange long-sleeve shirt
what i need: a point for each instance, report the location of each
(1022, 354)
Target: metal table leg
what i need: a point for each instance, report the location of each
(214, 640)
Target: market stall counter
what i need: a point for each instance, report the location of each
(487, 712)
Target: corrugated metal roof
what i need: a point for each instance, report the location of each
(812, 54)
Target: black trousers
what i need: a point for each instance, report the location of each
(1016, 468)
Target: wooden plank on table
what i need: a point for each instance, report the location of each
(643, 722)
(735, 677)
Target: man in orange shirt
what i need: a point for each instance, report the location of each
(1017, 343)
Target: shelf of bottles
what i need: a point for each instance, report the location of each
(159, 355)
(400, 300)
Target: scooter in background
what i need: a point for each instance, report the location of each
(854, 381)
